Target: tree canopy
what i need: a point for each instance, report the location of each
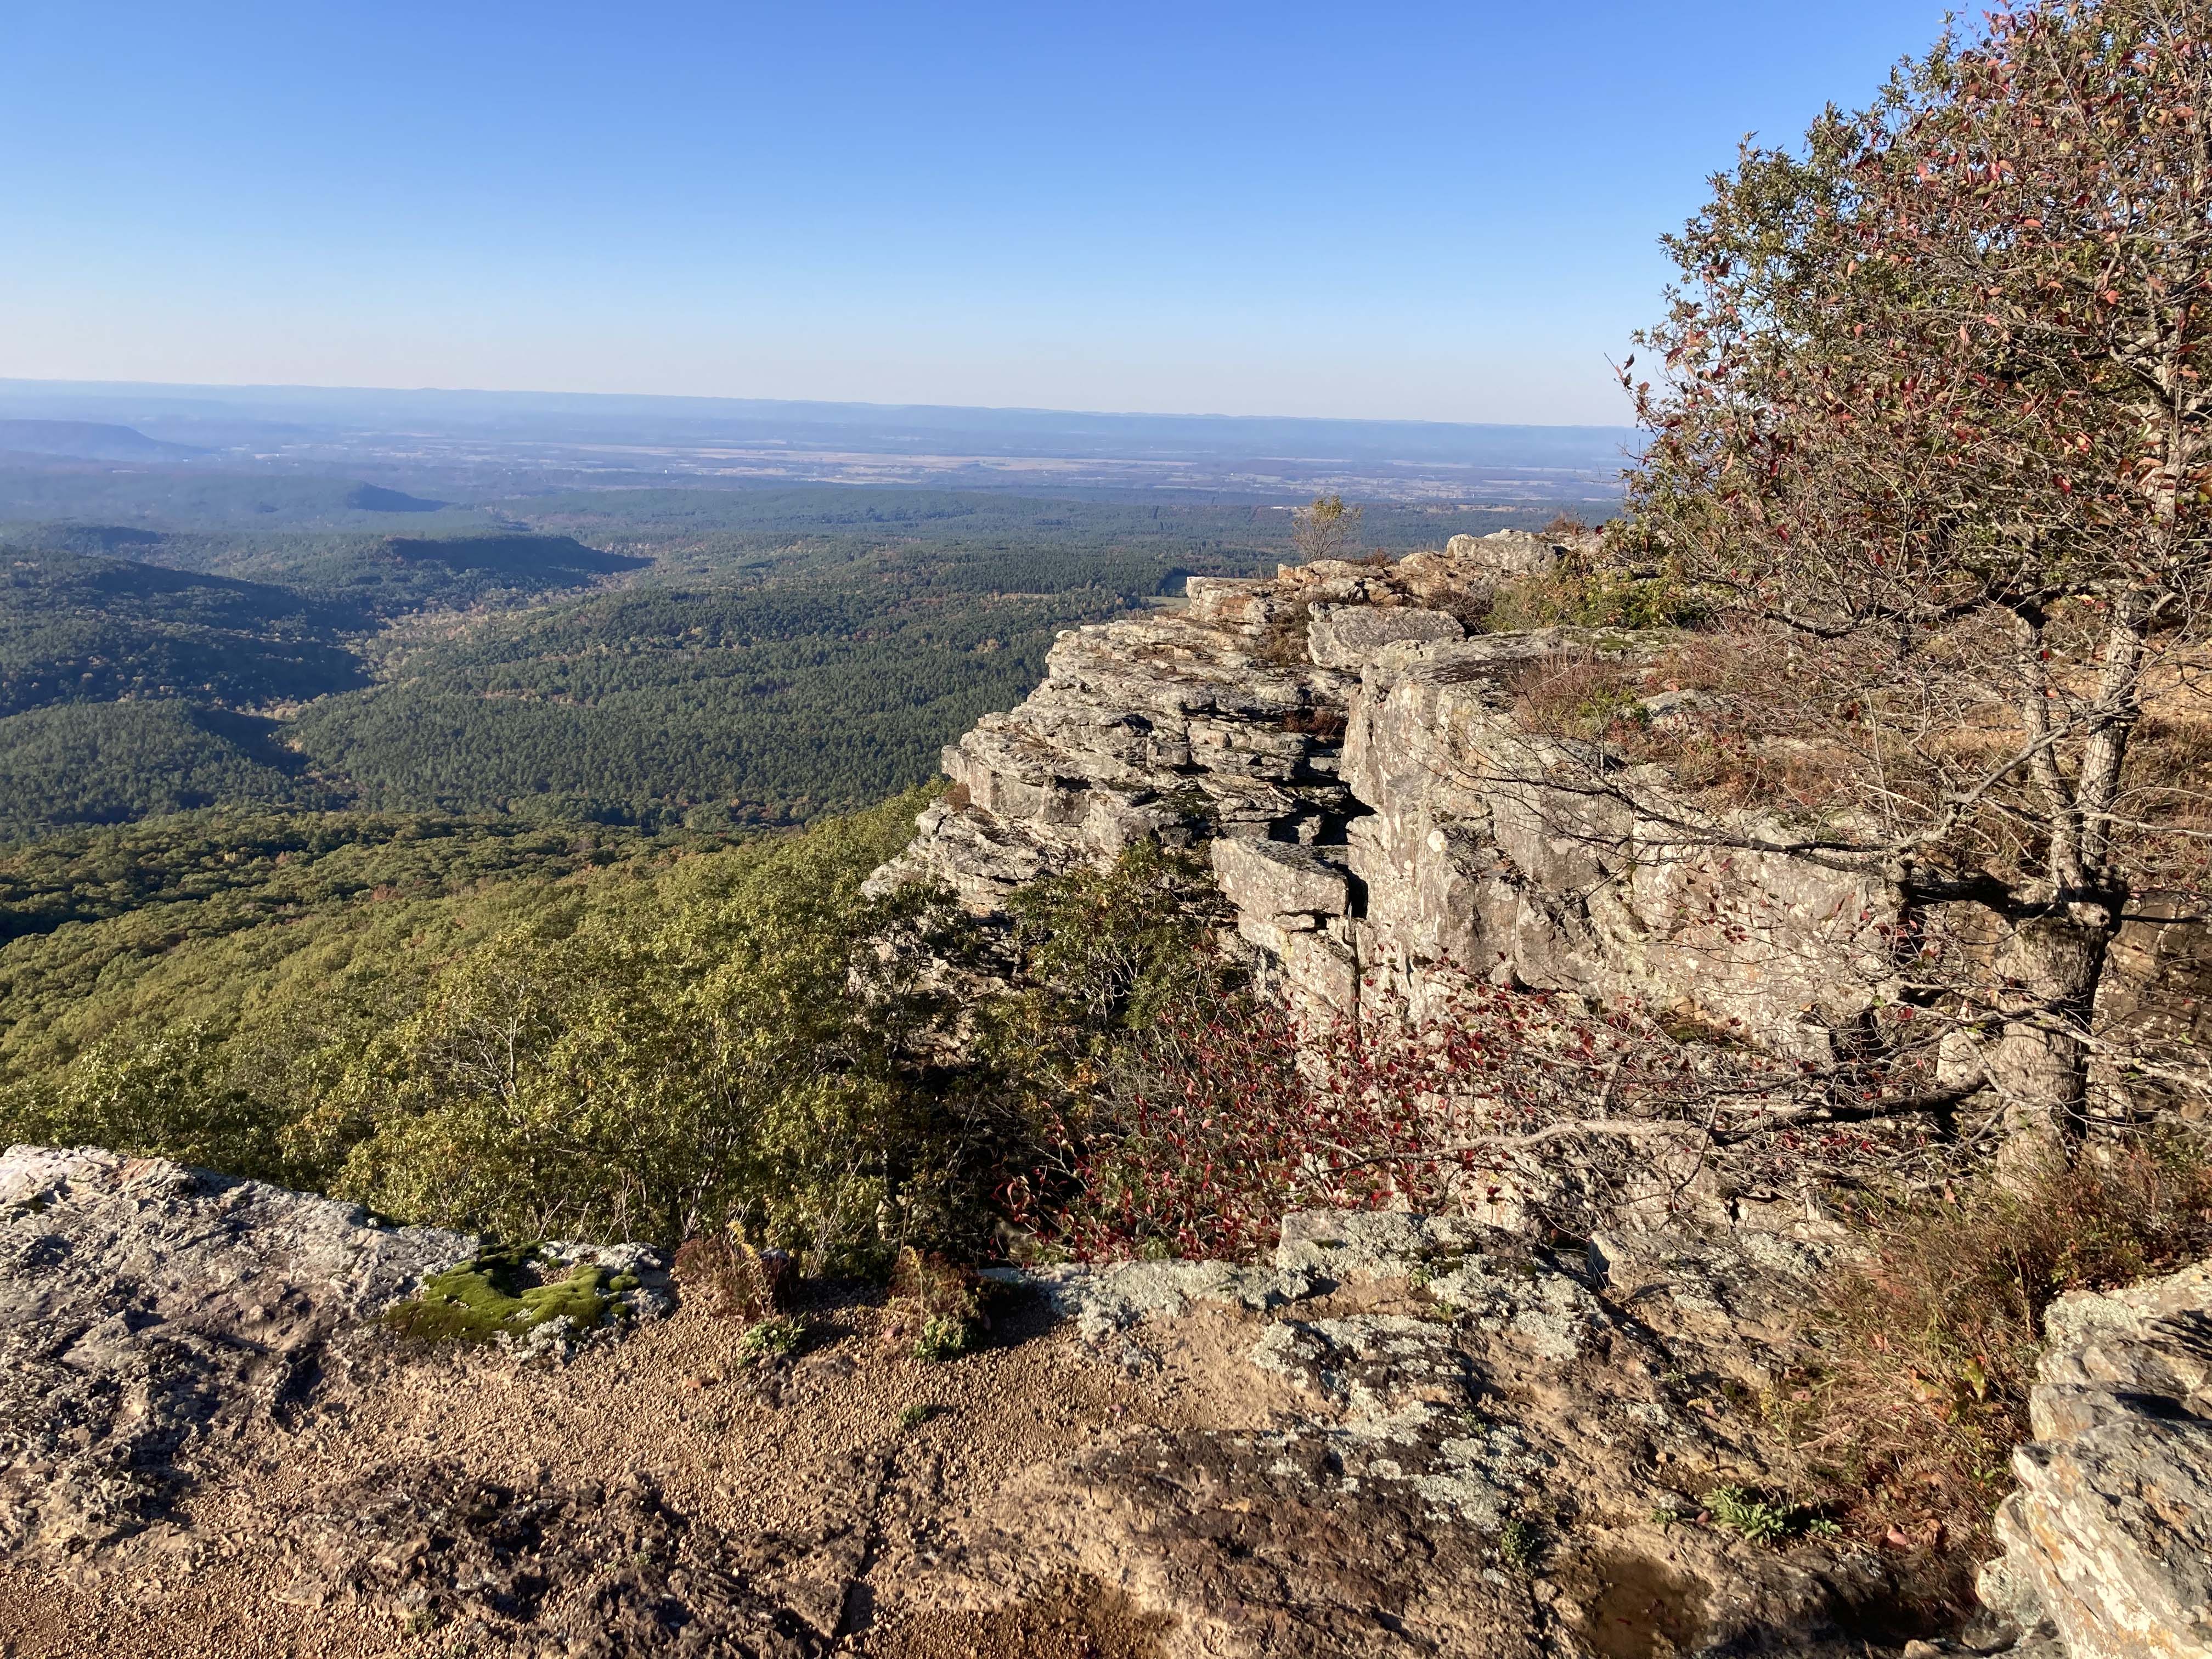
(1931, 417)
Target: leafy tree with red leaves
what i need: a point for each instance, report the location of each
(1932, 422)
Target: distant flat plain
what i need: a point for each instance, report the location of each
(476, 439)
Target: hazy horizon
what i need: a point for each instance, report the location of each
(103, 386)
(460, 438)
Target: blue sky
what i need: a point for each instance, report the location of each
(1412, 211)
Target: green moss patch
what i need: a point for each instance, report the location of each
(505, 1291)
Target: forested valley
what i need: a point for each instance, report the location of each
(283, 796)
(639, 657)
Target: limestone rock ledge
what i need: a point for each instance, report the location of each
(2108, 1539)
(1348, 751)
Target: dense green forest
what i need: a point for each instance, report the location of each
(89, 629)
(771, 702)
(637, 656)
(294, 997)
(353, 578)
(562, 1031)
(110, 762)
(200, 916)
(296, 798)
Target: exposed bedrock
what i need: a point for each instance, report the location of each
(2109, 1536)
(148, 1310)
(1346, 748)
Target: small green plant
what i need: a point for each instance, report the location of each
(1520, 1542)
(941, 1300)
(771, 1340)
(942, 1337)
(914, 1416)
(502, 1291)
(1751, 1517)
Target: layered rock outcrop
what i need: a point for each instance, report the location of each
(2109, 1536)
(1375, 808)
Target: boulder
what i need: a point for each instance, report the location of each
(1346, 636)
(2108, 1538)
(1503, 554)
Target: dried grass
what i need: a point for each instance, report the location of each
(1927, 1343)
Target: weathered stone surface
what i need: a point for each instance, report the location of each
(1506, 553)
(1403, 1436)
(2108, 1538)
(1346, 636)
(1162, 728)
(146, 1308)
(1270, 878)
(1467, 855)
(1418, 1414)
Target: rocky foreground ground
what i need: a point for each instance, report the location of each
(1403, 1435)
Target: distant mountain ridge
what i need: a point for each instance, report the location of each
(89, 441)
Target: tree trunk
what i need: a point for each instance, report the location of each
(2049, 972)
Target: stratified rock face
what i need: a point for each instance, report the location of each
(1167, 727)
(2109, 1537)
(1353, 757)
(1467, 854)
(144, 1306)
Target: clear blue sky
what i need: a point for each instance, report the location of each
(1440, 211)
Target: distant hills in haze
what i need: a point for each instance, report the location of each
(89, 441)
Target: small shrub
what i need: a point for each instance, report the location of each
(771, 1340)
(1325, 724)
(913, 1417)
(1571, 598)
(1520, 1543)
(942, 1337)
(735, 1280)
(1753, 1518)
(941, 1299)
(1286, 643)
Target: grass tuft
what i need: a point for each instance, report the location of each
(771, 1340)
(1928, 1342)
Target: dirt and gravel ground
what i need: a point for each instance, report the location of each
(813, 1473)
(1405, 1436)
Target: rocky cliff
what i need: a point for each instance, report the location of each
(1353, 756)
(1376, 805)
